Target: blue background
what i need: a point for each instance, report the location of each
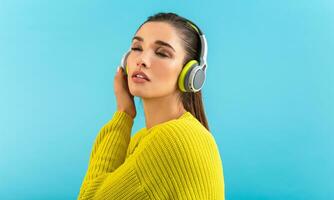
(269, 96)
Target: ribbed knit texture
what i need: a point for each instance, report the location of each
(176, 159)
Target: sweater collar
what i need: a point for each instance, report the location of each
(185, 115)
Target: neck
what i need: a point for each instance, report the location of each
(161, 109)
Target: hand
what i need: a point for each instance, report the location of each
(124, 99)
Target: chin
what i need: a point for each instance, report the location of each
(136, 92)
(141, 94)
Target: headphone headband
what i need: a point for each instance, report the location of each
(204, 45)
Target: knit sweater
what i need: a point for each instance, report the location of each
(176, 159)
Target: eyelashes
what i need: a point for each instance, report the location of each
(158, 53)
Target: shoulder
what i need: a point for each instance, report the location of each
(183, 139)
(187, 131)
(184, 152)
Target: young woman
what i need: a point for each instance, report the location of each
(174, 156)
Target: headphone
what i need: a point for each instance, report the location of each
(193, 74)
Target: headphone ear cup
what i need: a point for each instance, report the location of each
(183, 80)
(126, 70)
(198, 78)
(124, 63)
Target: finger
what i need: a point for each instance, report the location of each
(118, 72)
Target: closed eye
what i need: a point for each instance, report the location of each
(135, 49)
(158, 53)
(161, 54)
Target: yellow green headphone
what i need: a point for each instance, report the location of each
(193, 74)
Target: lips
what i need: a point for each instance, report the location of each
(142, 74)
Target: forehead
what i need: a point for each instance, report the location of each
(152, 31)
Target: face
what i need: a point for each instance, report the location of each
(155, 50)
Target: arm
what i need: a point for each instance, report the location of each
(108, 152)
(119, 127)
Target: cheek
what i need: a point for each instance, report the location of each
(165, 79)
(165, 72)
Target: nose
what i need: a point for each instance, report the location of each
(142, 60)
(140, 63)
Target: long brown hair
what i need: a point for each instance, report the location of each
(192, 101)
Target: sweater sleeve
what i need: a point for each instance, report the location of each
(108, 152)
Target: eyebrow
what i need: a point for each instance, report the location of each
(156, 42)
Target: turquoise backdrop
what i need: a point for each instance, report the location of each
(269, 96)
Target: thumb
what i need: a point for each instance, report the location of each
(120, 73)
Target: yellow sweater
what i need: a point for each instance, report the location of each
(176, 159)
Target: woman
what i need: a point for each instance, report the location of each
(174, 156)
